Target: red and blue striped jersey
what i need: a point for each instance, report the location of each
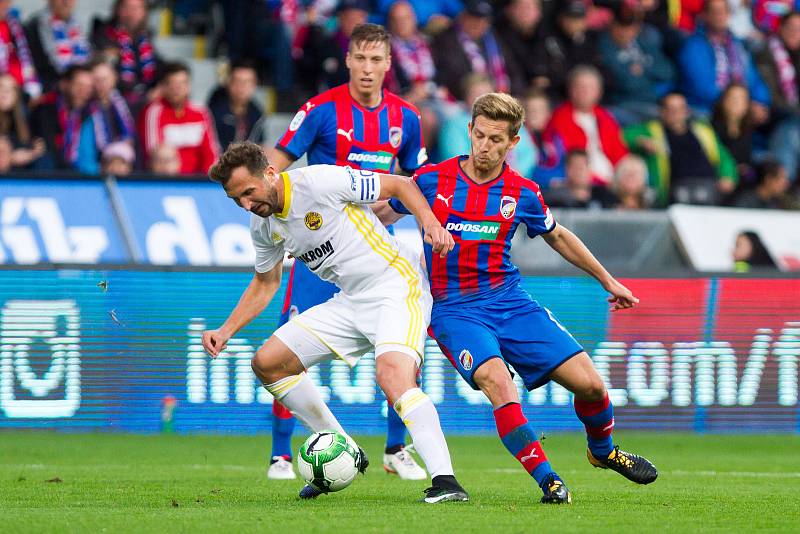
(332, 128)
(482, 219)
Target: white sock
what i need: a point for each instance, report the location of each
(302, 398)
(420, 417)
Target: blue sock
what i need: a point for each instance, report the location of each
(395, 429)
(598, 419)
(282, 428)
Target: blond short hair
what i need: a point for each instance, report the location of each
(500, 107)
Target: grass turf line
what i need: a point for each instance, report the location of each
(134, 483)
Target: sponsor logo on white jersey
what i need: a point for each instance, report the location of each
(314, 257)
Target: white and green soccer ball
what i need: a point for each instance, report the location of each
(328, 460)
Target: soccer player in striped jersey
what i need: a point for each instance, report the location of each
(485, 322)
(320, 215)
(361, 125)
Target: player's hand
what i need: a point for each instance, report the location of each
(621, 297)
(439, 239)
(214, 342)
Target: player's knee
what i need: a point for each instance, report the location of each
(263, 366)
(593, 390)
(494, 379)
(394, 376)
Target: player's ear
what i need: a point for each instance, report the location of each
(514, 141)
(347, 59)
(271, 169)
(469, 128)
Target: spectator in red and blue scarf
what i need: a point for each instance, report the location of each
(15, 54)
(63, 119)
(470, 46)
(56, 41)
(713, 58)
(111, 118)
(126, 39)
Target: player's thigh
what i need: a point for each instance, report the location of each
(325, 332)
(395, 318)
(467, 342)
(535, 343)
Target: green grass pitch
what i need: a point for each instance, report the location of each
(52, 482)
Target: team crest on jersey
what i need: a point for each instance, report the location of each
(297, 120)
(466, 359)
(395, 136)
(313, 220)
(508, 205)
(276, 237)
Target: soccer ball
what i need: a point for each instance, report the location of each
(328, 460)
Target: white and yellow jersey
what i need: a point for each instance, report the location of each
(327, 224)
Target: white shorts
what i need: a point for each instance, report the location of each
(391, 317)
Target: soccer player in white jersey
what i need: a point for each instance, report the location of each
(320, 215)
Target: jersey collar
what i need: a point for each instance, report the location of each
(468, 178)
(287, 196)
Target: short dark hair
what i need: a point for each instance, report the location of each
(244, 63)
(246, 154)
(787, 17)
(69, 74)
(173, 67)
(662, 102)
(370, 33)
(769, 168)
(535, 92)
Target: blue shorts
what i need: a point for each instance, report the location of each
(511, 326)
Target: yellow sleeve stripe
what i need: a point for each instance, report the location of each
(405, 269)
(392, 256)
(287, 195)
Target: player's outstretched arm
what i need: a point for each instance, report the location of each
(385, 213)
(406, 191)
(255, 298)
(574, 251)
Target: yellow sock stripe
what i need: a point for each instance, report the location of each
(402, 265)
(283, 386)
(407, 405)
(391, 255)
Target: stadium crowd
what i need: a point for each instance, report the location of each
(630, 104)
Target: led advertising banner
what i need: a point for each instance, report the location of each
(57, 221)
(116, 350)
